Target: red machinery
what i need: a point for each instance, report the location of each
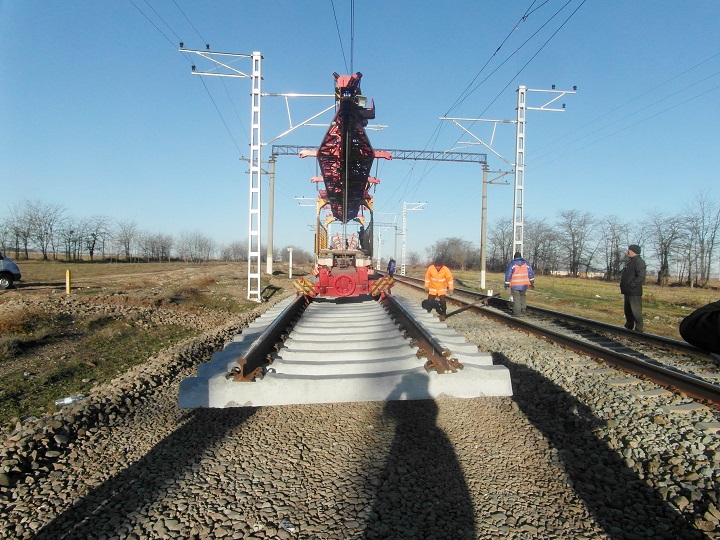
(345, 157)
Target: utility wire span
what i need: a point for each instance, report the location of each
(466, 92)
(337, 27)
(638, 111)
(433, 138)
(432, 141)
(536, 53)
(632, 125)
(189, 22)
(688, 70)
(163, 20)
(221, 117)
(174, 45)
(151, 22)
(435, 135)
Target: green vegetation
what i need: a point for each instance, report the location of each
(94, 351)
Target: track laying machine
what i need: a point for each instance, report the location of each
(345, 157)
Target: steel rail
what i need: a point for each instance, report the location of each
(654, 339)
(251, 365)
(689, 384)
(439, 357)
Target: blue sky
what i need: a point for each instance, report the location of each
(99, 111)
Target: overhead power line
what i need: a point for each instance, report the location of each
(643, 94)
(207, 46)
(337, 27)
(465, 94)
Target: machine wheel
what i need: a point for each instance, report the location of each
(344, 285)
(6, 281)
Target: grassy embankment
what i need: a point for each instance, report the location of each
(46, 355)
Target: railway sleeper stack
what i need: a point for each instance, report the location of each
(344, 351)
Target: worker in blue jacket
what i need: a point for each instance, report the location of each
(519, 276)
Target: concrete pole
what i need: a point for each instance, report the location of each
(290, 263)
(379, 250)
(395, 244)
(483, 227)
(271, 216)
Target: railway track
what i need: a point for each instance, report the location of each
(669, 362)
(344, 350)
(604, 464)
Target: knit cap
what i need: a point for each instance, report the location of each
(634, 248)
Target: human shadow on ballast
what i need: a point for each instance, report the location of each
(421, 493)
(120, 498)
(619, 500)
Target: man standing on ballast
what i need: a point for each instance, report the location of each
(631, 282)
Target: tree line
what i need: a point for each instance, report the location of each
(678, 248)
(34, 226)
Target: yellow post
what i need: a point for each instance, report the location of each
(67, 281)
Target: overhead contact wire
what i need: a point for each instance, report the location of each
(465, 94)
(217, 109)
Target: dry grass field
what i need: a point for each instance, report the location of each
(118, 315)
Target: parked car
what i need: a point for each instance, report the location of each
(9, 272)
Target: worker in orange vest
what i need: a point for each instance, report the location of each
(519, 276)
(438, 283)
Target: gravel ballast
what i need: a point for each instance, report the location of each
(570, 455)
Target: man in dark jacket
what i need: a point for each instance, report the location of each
(702, 328)
(631, 282)
(391, 267)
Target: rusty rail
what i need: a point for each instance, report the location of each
(439, 357)
(251, 364)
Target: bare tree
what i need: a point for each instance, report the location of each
(235, 251)
(413, 258)
(195, 246)
(152, 246)
(69, 235)
(500, 242)
(702, 227)
(664, 232)
(300, 255)
(126, 234)
(165, 243)
(21, 229)
(613, 235)
(5, 235)
(96, 232)
(454, 251)
(574, 233)
(43, 220)
(540, 242)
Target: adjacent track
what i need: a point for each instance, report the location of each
(668, 362)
